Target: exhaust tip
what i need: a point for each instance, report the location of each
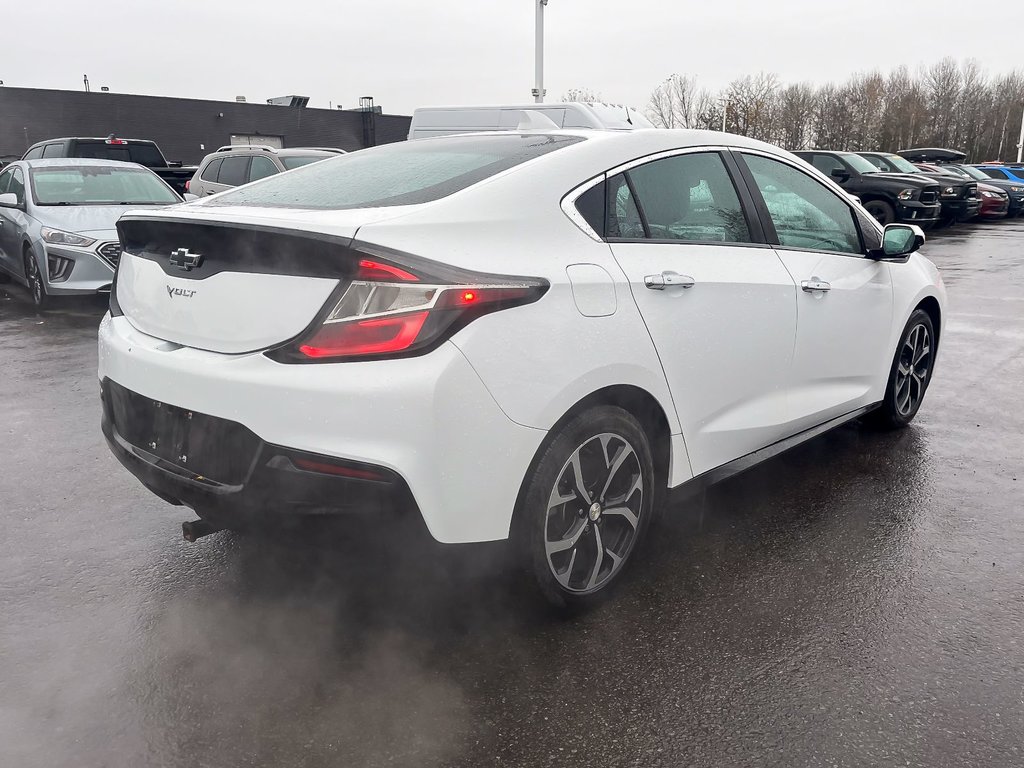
(191, 530)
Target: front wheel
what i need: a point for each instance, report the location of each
(881, 210)
(909, 375)
(586, 505)
(35, 280)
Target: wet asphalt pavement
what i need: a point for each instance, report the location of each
(856, 602)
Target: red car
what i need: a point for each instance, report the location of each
(995, 202)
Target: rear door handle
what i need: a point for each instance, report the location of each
(815, 284)
(668, 279)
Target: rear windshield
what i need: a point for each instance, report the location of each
(99, 185)
(143, 154)
(297, 161)
(406, 173)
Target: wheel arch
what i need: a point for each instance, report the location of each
(930, 305)
(632, 399)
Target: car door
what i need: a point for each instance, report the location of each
(844, 302)
(12, 221)
(717, 301)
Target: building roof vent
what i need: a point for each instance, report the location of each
(289, 101)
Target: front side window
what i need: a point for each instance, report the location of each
(5, 180)
(34, 154)
(690, 197)
(828, 163)
(99, 185)
(260, 168)
(404, 173)
(806, 213)
(17, 185)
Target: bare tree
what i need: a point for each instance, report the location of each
(581, 94)
(678, 103)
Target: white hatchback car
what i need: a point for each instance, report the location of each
(526, 334)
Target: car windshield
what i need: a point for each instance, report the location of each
(405, 173)
(901, 164)
(297, 161)
(974, 173)
(858, 163)
(99, 185)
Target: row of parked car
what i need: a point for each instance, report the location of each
(61, 239)
(930, 187)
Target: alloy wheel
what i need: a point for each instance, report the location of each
(912, 370)
(35, 279)
(593, 513)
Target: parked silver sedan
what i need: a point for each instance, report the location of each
(57, 221)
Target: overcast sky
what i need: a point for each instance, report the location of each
(408, 53)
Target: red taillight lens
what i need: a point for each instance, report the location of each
(365, 337)
(116, 141)
(341, 470)
(389, 311)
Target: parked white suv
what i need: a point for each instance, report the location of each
(240, 164)
(526, 334)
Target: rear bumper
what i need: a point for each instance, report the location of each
(273, 479)
(427, 424)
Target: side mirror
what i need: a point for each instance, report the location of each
(9, 200)
(839, 175)
(899, 241)
(189, 197)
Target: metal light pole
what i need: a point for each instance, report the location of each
(538, 88)
(1020, 140)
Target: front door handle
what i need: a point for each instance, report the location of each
(668, 279)
(815, 284)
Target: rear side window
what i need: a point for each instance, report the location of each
(690, 197)
(34, 154)
(404, 173)
(297, 161)
(234, 171)
(260, 168)
(623, 216)
(994, 173)
(210, 171)
(53, 150)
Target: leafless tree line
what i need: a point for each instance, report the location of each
(949, 104)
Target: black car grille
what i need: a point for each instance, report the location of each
(971, 192)
(111, 252)
(216, 449)
(929, 196)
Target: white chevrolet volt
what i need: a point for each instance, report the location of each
(526, 334)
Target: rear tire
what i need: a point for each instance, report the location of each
(881, 210)
(34, 277)
(586, 506)
(909, 375)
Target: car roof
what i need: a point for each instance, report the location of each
(90, 138)
(64, 162)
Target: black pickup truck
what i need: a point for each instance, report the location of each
(888, 197)
(141, 151)
(959, 196)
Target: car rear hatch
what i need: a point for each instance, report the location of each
(228, 284)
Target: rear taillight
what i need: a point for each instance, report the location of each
(389, 310)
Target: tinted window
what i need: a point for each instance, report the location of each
(623, 217)
(827, 163)
(806, 214)
(297, 161)
(260, 168)
(234, 171)
(592, 208)
(53, 150)
(99, 185)
(34, 154)
(690, 197)
(17, 185)
(210, 172)
(405, 173)
(144, 154)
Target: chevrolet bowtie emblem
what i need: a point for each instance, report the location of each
(182, 259)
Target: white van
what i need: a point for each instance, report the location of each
(442, 121)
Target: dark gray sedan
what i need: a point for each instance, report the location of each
(57, 221)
